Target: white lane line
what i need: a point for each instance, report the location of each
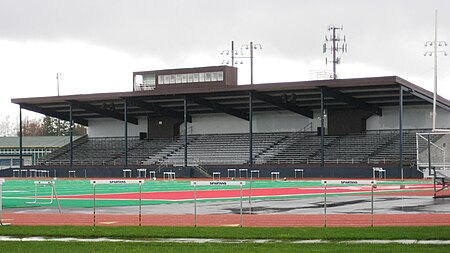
(211, 240)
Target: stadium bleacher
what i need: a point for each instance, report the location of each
(233, 149)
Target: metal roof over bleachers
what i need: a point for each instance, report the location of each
(36, 141)
(370, 94)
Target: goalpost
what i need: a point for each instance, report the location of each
(433, 158)
(2, 180)
(42, 185)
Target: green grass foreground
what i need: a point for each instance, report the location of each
(278, 233)
(335, 235)
(285, 235)
(46, 247)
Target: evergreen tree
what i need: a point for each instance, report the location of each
(50, 126)
(79, 130)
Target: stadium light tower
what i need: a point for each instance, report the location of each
(334, 43)
(435, 44)
(239, 54)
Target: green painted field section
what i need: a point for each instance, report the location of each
(21, 193)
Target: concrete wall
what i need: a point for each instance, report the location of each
(417, 117)
(115, 128)
(262, 122)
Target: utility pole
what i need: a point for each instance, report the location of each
(435, 53)
(334, 44)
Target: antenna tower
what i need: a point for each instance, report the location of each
(334, 44)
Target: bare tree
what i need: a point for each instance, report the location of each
(32, 127)
(7, 126)
(45, 126)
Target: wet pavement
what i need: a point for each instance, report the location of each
(346, 204)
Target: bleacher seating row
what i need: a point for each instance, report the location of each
(268, 148)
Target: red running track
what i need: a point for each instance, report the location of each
(260, 220)
(256, 192)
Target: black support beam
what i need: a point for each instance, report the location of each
(161, 110)
(71, 133)
(104, 112)
(428, 99)
(54, 114)
(351, 100)
(20, 139)
(279, 102)
(125, 120)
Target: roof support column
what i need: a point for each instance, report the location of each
(20, 139)
(400, 125)
(322, 145)
(185, 132)
(125, 116)
(250, 128)
(71, 133)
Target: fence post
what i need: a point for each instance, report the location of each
(250, 195)
(195, 204)
(140, 203)
(240, 221)
(94, 205)
(56, 196)
(371, 208)
(325, 204)
(1, 203)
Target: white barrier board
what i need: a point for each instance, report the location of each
(217, 183)
(117, 181)
(2, 180)
(347, 181)
(43, 182)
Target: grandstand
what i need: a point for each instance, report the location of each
(33, 149)
(184, 119)
(232, 149)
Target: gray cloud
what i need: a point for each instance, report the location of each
(386, 33)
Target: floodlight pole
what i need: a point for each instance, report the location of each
(251, 63)
(232, 53)
(251, 46)
(435, 52)
(435, 70)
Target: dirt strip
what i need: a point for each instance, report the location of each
(260, 220)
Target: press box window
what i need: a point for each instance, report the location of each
(189, 78)
(144, 82)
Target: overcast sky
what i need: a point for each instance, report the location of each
(97, 44)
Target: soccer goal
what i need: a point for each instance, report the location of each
(39, 189)
(433, 159)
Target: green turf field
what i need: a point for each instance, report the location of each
(16, 193)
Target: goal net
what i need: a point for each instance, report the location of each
(433, 149)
